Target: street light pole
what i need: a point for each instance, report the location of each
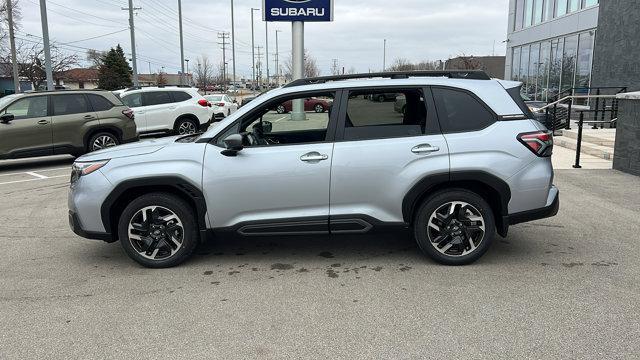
(45, 40)
(266, 50)
(384, 56)
(253, 49)
(12, 43)
(297, 32)
(181, 43)
(277, 60)
(233, 44)
(188, 78)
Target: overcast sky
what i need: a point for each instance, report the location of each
(414, 29)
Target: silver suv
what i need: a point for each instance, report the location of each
(463, 162)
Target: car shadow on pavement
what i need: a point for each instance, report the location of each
(31, 164)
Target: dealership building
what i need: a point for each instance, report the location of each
(555, 45)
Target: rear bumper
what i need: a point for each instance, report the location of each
(74, 223)
(551, 209)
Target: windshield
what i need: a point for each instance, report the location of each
(213, 97)
(4, 101)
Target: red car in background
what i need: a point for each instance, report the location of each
(310, 104)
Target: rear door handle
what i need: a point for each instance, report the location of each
(43, 122)
(314, 156)
(89, 117)
(424, 149)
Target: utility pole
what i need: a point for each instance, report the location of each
(253, 48)
(181, 43)
(277, 55)
(12, 42)
(233, 44)
(45, 40)
(224, 36)
(334, 67)
(259, 65)
(266, 51)
(384, 56)
(133, 42)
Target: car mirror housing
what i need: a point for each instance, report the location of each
(6, 118)
(233, 144)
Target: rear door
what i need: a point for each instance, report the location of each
(134, 102)
(72, 118)
(380, 154)
(159, 110)
(29, 133)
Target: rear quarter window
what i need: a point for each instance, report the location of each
(99, 103)
(179, 96)
(459, 111)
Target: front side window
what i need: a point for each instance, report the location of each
(28, 108)
(132, 100)
(378, 115)
(156, 98)
(69, 104)
(460, 111)
(287, 121)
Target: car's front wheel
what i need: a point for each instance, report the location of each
(158, 230)
(318, 108)
(186, 127)
(454, 227)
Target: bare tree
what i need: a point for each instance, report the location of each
(402, 64)
(311, 68)
(161, 79)
(204, 75)
(31, 62)
(95, 57)
(4, 26)
(464, 62)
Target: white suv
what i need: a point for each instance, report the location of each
(180, 110)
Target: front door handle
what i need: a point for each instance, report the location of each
(424, 149)
(89, 117)
(43, 122)
(313, 156)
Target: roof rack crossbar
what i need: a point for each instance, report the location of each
(452, 74)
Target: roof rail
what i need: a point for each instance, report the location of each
(452, 74)
(156, 86)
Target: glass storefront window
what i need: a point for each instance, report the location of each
(583, 63)
(555, 68)
(515, 65)
(548, 9)
(589, 3)
(574, 5)
(543, 71)
(528, 12)
(519, 14)
(534, 64)
(569, 61)
(561, 7)
(537, 11)
(524, 68)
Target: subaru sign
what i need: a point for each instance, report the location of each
(297, 10)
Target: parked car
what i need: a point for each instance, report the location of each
(166, 109)
(222, 105)
(400, 104)
(463, 163)
(310, 104)
(63, 122)
(247, 99)
(382, 97)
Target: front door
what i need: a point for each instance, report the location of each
(381, 152)
(279, 182)
(29, 133)
(159, 109)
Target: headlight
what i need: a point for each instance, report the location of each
(85, 168)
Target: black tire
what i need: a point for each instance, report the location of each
(424, 234)
(318, 108)
(102, 140)
(185, 126)
(185, 215)
(380, 98)
(281, 109)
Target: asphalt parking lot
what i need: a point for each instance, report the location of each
(565, 287)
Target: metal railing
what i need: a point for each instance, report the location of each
(581, 122)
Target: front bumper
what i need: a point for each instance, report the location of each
(551, 209)
(74, 223)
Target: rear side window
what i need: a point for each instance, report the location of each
(99, 103)
(459, 111)
(69, 104)
(156, 98)
(179, 96)
(132, 100)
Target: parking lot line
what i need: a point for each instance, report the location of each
(35, 179)
(43, 170)
(36, 175)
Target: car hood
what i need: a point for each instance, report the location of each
(132, 149)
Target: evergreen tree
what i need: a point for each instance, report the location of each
(114, 72)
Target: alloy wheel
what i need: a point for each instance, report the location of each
(156, 232)
(319, 108)
(186, 128)
(456, 228)
(103, 142)
(281, 109)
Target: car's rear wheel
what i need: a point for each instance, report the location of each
(102, 140)
(281, 109)
(186, 126)
(454, 227)
(318, 108)
(158, 230)
(380, 98)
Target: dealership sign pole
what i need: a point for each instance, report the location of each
(297, 12)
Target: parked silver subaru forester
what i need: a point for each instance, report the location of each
(462, 162)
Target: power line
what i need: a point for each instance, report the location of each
(98, 36)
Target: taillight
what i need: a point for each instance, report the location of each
(219, 104)
(204, 103)
(128, 113)
(539, 142)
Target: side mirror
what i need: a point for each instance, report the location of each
(6, 118)
(233, 144)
